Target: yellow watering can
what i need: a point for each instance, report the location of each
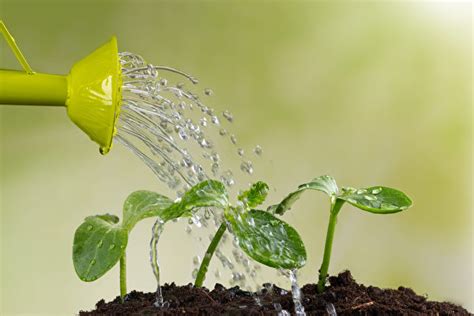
(91, 91)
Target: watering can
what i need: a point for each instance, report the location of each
(91, 91)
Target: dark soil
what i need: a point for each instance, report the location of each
(343, 295)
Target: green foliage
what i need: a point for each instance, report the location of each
(267, 239)
(144, 204)
(377, 199)
(98, 246)
(262, 236)
(324, 184)
(101, 241)
(254, 196)
(209, 193)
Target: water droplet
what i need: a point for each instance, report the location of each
(208, 92)
(228, 116)
(180, 85)
(152, 71)
(376, 191)
(370, 198)
(258, 150)
(188, 229)
(215, 120)
(195, 273)
(163, 82)
(246, 166)
(93, 261)
(89, 228)
(222, 132)
(203, 122)
(100, 244)
(196, 260)
(240, 151)
(233, 139)
(112, 246)
(388, 206)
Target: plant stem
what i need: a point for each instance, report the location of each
(209, 253)
(123, 276)
(323, 271)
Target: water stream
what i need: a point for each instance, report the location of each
(172, 130)
(296, 294)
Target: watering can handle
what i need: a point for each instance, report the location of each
(28, 87)
(14, 47)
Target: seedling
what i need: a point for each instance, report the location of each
(378, 200)
(101, 241)
(262, 236)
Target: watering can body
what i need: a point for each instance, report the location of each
(91, 91)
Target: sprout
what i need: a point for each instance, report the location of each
(378, 200)
(100, 242)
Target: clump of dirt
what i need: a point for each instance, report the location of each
(343, 296)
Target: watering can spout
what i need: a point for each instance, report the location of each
(91, 91)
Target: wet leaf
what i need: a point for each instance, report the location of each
(143, 204)
(254, 196)
(325, 184)
(267, 239)
(378, 199)
(99, 243)
(208, 193)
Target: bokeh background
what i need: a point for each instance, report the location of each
(369, 92)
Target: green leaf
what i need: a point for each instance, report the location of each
(378, 199)
(325, 184)
(267, 239)
(143, 204)
(99, 243)
(208, 193)
(254, 196)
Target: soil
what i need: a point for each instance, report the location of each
(343, 295)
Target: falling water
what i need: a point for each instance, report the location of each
(296, 294)
(156, 232)
(172, 130)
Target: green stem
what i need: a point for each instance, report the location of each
(123, 276)
(209, 253)
(323, 271)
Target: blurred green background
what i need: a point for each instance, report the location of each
(371, 93)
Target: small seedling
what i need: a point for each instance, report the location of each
(262, 236)
(101, 241)
(378, 200)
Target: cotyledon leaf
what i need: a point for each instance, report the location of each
(378, 199)
(99, 243)
(143, 204)
(267, 239)
(254, 196)
(325, 184)
(209, 193)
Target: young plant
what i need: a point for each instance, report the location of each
(377, 199)
(101, 241)
(262, 236)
